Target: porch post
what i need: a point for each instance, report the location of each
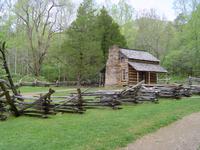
(149, 74)
(137, 77)
(157, 78)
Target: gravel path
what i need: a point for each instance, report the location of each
(181, 135)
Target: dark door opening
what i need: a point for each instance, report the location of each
(143, 76)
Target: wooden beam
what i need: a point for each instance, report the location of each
(149, 75)
(6, 68)
(156, 78)
(137, 76)
(44, 97)
(9, 100)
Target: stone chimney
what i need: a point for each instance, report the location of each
(112, 76)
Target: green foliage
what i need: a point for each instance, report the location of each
(82, 47)
(122, 12)
(79, 49)
(154, 34)
(87, 42)
(96, 129)
(50, 72)
(193, 39)
(3, 74)
(185, 58)
(129, 31)
(179, 79)
(109, 32)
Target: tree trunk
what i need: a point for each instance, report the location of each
(79, 79)
(80, 68)
(5, 65)
(36, 69)
(37, 62)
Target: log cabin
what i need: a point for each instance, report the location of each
(128, 67)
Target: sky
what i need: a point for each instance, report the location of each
(163, 7)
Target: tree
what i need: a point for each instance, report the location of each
(191, 37)
(122, 12)
(1, 9)
(152, 34)
(129, 31)
(185, 7)
(184, 58)
(39, 18)
(109, 32)
(180, 21)
(82, 46)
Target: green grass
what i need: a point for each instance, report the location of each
(179, 79)
(198, 148)
(96, 129)
(28, 89)
(60, 91)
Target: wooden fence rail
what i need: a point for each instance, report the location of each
(57, 84)
(46, 104)
(171, 91)
(194, 84)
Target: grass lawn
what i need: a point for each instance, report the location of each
(96, 129)
(60, 91)
(28, 89)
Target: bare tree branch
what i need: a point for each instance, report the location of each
(40, 18)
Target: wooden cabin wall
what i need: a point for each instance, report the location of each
(124, 66)
(153, 78)
(132, 75)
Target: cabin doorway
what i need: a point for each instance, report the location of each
(143, 76)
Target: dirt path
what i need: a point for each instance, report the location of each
(181, 135)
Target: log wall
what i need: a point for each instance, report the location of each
(132, 75)
(124, 66)
(153, 78)
(120, 73)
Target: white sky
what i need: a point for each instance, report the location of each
(163, 7)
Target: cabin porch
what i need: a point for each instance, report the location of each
(135, 76)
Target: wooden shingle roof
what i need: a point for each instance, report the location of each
(147, 67)
(138, 55)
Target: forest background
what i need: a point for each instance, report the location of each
(69, 41)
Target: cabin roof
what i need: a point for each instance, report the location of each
(138, 55)
(147, 67)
